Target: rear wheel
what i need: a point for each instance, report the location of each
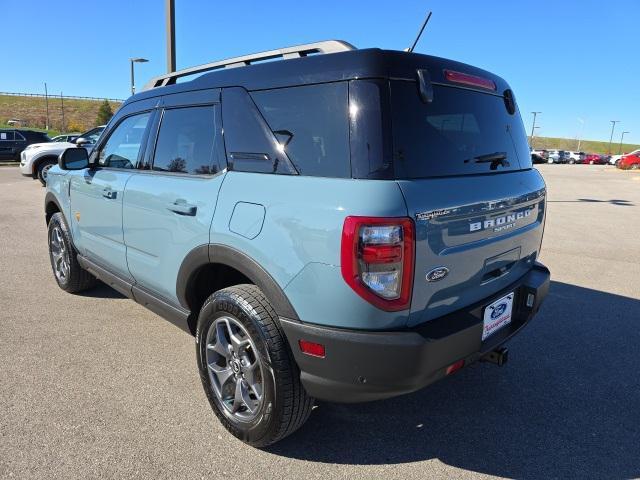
(68, 273)
(247, 370)
(635, 166)
(43, 170)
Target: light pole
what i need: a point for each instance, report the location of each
(46, 102)
(170, 13)
(63, 128)
(533, 127)
(613, 126)
(580, 133)
(133, 83)
(533, 132)
(620, 147)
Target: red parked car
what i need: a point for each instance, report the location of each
(630, 161)
(594, 159)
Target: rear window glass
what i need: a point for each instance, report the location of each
(311, 124)
(461, 132)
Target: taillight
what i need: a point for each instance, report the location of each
(467, 79)
(377, 260)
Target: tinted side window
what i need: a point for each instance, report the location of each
(187, 141)
(123, 145)
(370, 136)
(251, 146)
(311, 123)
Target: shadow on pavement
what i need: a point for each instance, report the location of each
(101, 290)
(566, 405)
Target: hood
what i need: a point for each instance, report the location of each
(50, 147)
(56, 145)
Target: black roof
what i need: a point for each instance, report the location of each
(350, 65)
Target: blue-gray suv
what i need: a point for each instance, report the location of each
(344, 225)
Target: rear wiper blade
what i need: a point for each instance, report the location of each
(495, 159)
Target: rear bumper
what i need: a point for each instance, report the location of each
(361, 366)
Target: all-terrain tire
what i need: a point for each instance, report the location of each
(77, 278)
(285, 405)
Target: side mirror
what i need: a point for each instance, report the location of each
(81, 141)
(74, 159)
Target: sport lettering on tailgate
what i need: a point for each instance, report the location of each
(501, 223)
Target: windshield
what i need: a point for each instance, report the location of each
(461, 132)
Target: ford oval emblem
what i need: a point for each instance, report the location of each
(437, 274)
(498, 310)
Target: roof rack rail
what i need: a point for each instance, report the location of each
(327, 46)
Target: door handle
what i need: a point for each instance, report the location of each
(181, 207)
(110, 194)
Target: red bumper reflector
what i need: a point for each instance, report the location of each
(311, 348)
(454, 367)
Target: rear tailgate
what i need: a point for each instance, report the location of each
(463, 164)
(486, 238)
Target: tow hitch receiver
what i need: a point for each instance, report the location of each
(499, 356)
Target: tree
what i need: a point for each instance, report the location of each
(104, 113)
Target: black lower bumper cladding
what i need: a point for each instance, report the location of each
(370, 365)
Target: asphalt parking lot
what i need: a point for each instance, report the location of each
(94, 385)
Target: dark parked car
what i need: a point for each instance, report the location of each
(14, 141)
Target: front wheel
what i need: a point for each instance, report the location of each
(247, 369)
(68, 273)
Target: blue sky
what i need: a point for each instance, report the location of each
(573, 60)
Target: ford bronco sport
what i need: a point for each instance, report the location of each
(345, 225)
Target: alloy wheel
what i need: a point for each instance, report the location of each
(59, 255)
(45, 171)
(235, 369)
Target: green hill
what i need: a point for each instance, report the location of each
(589, 146)
(79, 114)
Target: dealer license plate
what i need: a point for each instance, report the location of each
(497, 315)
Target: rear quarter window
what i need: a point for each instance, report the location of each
(454, 134)
(311, 123)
